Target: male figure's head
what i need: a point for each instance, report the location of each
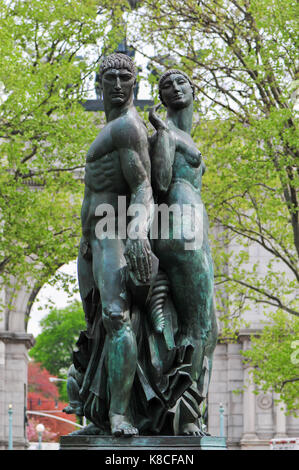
(176, 89)
(117, 77)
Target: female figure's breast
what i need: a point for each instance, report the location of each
(183, 170)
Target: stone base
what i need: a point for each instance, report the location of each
(18, 444)
(257, 444)
(140, 443)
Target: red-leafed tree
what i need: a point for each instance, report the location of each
(43, 396)
(39, 381)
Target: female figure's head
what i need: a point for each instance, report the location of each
(176, 90)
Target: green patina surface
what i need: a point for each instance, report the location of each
(144, 363)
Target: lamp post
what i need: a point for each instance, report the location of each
(10, 442)
(40, 429)
(221, 411)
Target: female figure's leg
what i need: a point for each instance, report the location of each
(191, 277)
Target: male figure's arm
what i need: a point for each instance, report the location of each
(162, 153)
(138, 250)
(102, 145)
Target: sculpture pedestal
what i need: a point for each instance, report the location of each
(155, 444)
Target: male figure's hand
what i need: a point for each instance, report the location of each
(155, 119)
(138, 257)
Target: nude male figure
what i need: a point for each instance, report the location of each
(117, 164)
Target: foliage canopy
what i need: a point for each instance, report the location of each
(242, 57)
(48, 54)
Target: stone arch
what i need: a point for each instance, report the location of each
(14, 345)
(17, 300)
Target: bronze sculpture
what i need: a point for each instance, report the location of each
(143, 364)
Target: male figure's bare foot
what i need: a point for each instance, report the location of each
(120, 426)
(191, 429)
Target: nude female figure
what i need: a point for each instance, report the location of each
(177, 170)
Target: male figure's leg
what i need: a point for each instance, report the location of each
(108, 259)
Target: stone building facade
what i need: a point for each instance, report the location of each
(250, 420)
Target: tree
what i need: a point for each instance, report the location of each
(32, 434)
(274, 358)
(241, 55)
(55, 344)
(48, 54)
(242, 58)
(39, 383)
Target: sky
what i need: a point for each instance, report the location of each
(57, 297)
